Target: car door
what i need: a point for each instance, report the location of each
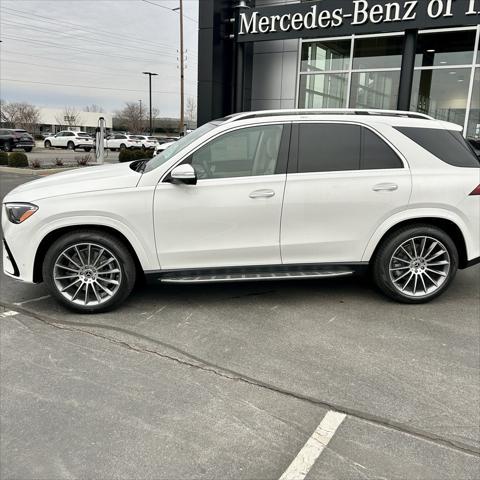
(347, 181)
(231, 217)
(57, 139)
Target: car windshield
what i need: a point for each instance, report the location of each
(184, 142)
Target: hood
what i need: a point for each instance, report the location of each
(89, 179)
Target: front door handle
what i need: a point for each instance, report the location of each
(385, 187)
(262, 194)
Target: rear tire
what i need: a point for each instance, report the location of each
(28, 149)
(123, 147)
(89, 271)
(415, 264)
(8, 147)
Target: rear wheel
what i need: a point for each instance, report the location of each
(415, 264)
(123, 147)
(8, 146)
(89, 271)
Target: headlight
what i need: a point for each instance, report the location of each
(19, 212)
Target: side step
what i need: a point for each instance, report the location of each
(258, 276)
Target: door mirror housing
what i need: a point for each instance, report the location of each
(184, 173)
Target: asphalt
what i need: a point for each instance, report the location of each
(229, 381)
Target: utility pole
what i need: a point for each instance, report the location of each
(150, 75)
(182, 71)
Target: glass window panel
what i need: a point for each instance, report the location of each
(327, 90)
(244, 152)
(441, 93)
(327, 147)
(375, 90)
(447, 48)
(380, 52)
(376, 153)
(324, 56)
(473, 130)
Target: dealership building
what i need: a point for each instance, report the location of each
(418, 55)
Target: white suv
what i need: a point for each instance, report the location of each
(70, 140)
(254, 196)
(121, 141)
(147, 142)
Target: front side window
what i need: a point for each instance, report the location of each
(246, 152)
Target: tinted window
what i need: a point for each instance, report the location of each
(376, 153)
(328, 147)
(446, 145)
(244, 152)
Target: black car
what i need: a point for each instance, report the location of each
(15, 138)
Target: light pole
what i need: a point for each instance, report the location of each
(141, 116)
(182, 70)
(150, 75)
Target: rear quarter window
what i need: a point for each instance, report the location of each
(447, 145)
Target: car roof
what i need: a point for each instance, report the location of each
(395, 118)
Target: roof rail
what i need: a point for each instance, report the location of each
(326, 111)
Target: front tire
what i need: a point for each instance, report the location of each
(89, 271)
(415, 264)
(47, 144)
(70, 146)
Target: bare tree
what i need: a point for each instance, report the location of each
(191, 109)
(94, 108)
(70, 118)
(135, 118)
(20, 115)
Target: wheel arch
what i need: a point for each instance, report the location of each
(447, 225)
(57, 233)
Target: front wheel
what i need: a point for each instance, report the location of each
(70, 146)
(415, 264)
(89, 271)
(47, 144)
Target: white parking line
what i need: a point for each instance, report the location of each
(32, 300)
(8, 313)
(315, 445)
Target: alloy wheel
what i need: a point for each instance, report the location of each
(419, 266)
(87, 274)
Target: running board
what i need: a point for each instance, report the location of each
(248, 277)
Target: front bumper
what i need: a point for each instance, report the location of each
(10, 267)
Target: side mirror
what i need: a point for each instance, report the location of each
(184, 173)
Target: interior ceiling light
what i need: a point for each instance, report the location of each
(431, 50)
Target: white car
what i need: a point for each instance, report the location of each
(148, 142)
(161, 147)
(121, 141)
(258, 196)
(70, 140)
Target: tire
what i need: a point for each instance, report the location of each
(28, 149)
(87, 149)
(410, 271)
(100, 290)
(8, 147)
(47, 144)
(70, 146)
(123, 147)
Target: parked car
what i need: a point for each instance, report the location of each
(11, 138)
(148, 143)
(44, 135)
(121, 141)
(70, 140)
(475, 144)
(160, 148)
(258, 196)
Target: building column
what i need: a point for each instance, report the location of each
(407, 71)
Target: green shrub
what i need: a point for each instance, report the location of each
(126, 156)
(3, 158)
(17, 159)
(141, 154)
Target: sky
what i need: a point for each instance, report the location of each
(57, 53)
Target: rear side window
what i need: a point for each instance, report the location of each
(447, 145)
(376, 154)
(339, 147)
(326, 147)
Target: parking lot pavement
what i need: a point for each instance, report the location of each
(406, 376)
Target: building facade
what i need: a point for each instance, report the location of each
(419, 55)
(55, 119)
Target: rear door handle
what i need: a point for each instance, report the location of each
(385, 187)
(262, 194)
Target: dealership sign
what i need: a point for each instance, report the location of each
(344, 17)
